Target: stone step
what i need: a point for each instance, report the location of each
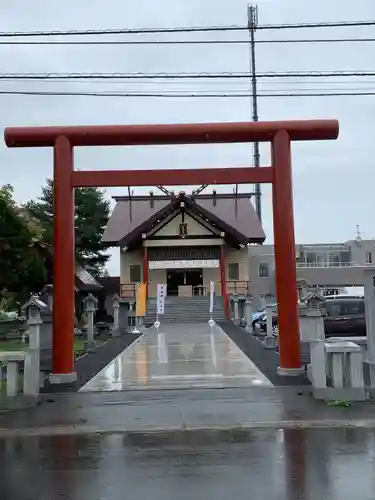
(186, 310)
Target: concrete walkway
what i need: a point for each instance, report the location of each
(179, 356)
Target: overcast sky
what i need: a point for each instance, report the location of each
(333, 181)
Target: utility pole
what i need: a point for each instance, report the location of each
(252, 22)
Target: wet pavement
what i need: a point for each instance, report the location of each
(172, 411)
(179, 356)
(274, 465)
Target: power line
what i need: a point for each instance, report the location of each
(166, 95)
(185, 42)
(191, 29)
(217, 83)
(212, 85)
(218, 91)
(181, 76)
(338, 24)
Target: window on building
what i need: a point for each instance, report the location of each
(233, 271)
(135, 274)
(264, 271)
(368, 257)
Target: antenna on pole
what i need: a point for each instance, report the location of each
(252, 23)
(359, 235)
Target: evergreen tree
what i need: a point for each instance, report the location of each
(22, 255)
(92, 212)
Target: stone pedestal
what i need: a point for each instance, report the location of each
(12, 360)
(311, 326)
(341, 364)
(317, 370)
(12, 378)
(90, 340)
(32, 380)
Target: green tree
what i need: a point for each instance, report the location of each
(22, 258)
(92, 212)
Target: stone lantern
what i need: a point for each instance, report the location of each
(32, 310)
(116, 315)
(311, 317)
(90, 305)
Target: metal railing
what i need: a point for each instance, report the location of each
(238, 287)
(332, 264)
(129, 290)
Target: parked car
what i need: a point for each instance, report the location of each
(259, 317)
(344, 316)
(257, 314)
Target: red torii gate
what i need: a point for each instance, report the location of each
(64, 139)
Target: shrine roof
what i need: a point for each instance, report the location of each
(134, 215)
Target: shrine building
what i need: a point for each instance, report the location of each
(185, 241)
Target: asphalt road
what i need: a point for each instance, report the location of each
(316, 464)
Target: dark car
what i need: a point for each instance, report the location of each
(344, 316)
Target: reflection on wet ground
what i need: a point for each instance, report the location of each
(283, 465)
(179, 356)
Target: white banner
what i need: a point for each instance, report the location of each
(212, 291)
(183, 264)
(161, 294)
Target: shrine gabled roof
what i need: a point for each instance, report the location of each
(133, 216)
